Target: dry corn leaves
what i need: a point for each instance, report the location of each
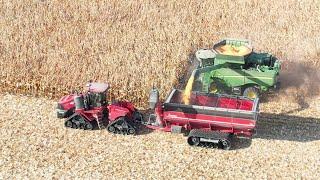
(50, 48)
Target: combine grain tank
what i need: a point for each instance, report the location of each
(208, 119)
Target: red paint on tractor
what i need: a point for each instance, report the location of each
(84, 110)
(67, 102)
(119, 109)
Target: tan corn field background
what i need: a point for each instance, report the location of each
(49, 48)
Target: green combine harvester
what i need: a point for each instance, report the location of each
(232, 67)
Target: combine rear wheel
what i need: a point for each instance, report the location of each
(213, 88)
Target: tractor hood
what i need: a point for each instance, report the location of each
(66, 102)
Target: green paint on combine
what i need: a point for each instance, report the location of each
(232, 67)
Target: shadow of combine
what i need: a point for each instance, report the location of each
(240, 143)
(288, 127)
(282, 127)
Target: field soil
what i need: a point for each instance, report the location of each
(35, 144)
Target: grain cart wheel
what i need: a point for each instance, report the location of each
(251, 92)
(224, 144)
(193, 141)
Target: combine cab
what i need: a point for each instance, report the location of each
(232, 67)
(208, 119)
(89, 110)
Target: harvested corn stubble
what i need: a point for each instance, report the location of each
(34, 143)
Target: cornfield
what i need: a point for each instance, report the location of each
(48, 48)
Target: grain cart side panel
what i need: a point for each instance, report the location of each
(198, 117)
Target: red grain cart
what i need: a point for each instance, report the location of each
(209, 119)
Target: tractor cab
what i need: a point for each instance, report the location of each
(96, 95)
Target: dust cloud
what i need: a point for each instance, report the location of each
(299, 83)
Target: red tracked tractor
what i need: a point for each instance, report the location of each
(89, 110)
